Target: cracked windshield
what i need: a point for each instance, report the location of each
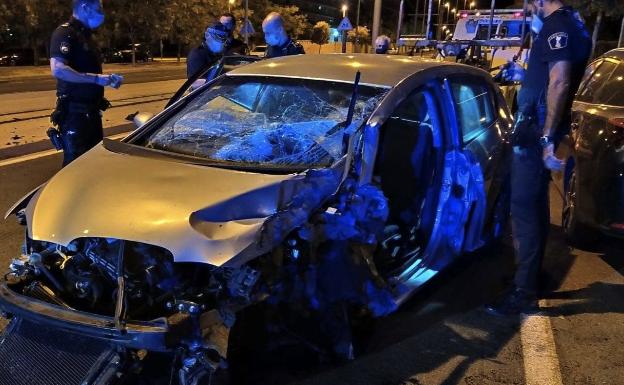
(267, 121)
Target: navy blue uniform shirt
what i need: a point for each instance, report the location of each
(562, 38)
(290, 48)
(199, 58)
(73, 44)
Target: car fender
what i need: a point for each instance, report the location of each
(22, 202)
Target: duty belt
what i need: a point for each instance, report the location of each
(82, 108)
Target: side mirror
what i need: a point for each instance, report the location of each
(140, 118)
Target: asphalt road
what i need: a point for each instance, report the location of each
(441, 336)
(47, 83)
(24, 115)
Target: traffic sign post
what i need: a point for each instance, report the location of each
(247, 29)
(344, 27)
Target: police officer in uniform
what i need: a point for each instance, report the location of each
(560, 52)
(277, 39)
(382, 45)
(210, 51)
(233, 46)
(76, 64)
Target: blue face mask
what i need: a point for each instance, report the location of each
(537, 21)
(95, 20)
(536, 24)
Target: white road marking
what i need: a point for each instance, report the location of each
(541, 364)
(36, 155)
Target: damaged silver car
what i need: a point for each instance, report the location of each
(321, 186)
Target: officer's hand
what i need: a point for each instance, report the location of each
(117, 81)
(513, 72)
(112, 80)
(551, 162)
(103, 80)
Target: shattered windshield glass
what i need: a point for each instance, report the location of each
(266, 121)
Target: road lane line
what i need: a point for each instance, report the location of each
(41, 154)
(541, 364)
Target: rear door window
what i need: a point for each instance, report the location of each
(612, 93)
(595, 78)
(474, 107)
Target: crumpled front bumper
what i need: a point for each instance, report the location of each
(156, 335)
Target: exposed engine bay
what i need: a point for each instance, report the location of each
(126, 280)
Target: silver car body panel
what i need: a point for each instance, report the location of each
(178, 206)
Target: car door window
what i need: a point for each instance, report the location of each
(406, 158)
(612, 93)
(474, 107)
(595, 81)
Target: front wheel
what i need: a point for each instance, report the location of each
(578, 233)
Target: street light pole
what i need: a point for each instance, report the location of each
(428, 32)
(439, 23)
(246, 22)
(401, 10)
(492, 7)
(376, 19)
(344, 32)
(621, 40)
(416, 17)
(357, 26)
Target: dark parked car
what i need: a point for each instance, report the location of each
(594, 179)
(142, 54)
(17, 57)
(322, 187)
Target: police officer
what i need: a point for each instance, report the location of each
(233, 46)
(76, 64)
(382, 45)
(560, 52)
(210, 51)
(277, 39)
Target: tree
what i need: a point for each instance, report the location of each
(600, 8)
(33, 21)
(320, 34)
(359, 36)
(296, 24)
(362, 34)
(138, 20)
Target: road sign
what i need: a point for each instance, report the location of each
(247, 29)
(345, 25)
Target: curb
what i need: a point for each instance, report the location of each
(44, 145)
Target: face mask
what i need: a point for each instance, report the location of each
(537, 21)
(272, 39)
(95, 20)
(536, 24)
(214, 45)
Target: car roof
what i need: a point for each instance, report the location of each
(617, 53)
(377, 70)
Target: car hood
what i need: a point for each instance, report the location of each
(198, 213)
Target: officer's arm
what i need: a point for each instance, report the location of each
(558, 88)
(60, 70)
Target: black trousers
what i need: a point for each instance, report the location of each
(530, 213)
(80, 132)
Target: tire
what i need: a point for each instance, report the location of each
(578, 233)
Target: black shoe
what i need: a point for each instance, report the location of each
(517, 302)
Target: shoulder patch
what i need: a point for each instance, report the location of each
(558, 40)
(64, 48)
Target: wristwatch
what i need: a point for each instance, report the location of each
(546, 141)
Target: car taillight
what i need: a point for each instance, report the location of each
(618, 122)
(517, 15)
(617, 226)
(464, 15)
